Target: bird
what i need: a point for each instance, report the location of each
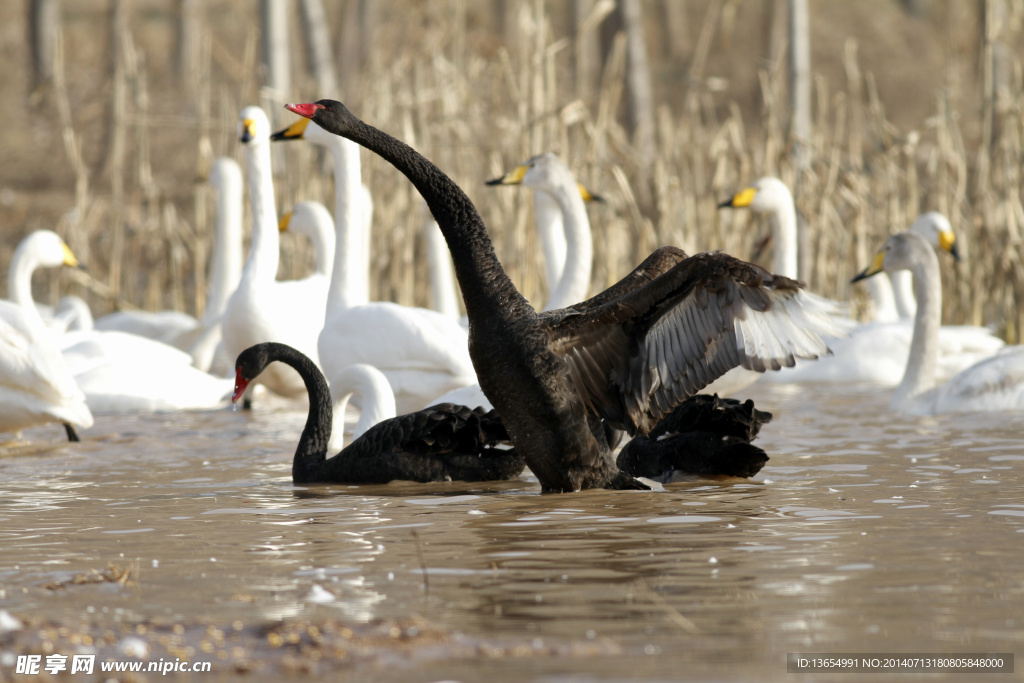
(423, 353)
(705, 436)
(225, 266)
(627, 356)
(439, 443)
(771, 196)
(565, 231)
(262, 308)
(875, 351)
(313, 220)
(36, 386)
(995, 383)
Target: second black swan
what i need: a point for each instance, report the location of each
(439, 443)
(629, 355)
(706, 436)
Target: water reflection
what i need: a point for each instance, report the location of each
(863, 533)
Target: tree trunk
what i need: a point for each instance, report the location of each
(43, 17)
(276, 63)
(318, 47)
(800, 108)
(640, 99)
(674, 26)
(189, 35)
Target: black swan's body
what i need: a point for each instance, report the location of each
(706, 436)
(629, 355)
(439, 443)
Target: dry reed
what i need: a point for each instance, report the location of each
(477, 112)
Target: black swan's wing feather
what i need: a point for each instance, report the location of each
(634, 358)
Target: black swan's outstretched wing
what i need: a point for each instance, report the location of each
(634, 357)
(439, 443)
(706, 436)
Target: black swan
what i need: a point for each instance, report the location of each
(629, 355)
(705, 436)
(439, 443)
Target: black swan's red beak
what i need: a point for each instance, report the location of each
(306, 110)
(241, 384)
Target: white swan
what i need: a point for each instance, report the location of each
(36, 386)
(422, 353)
(996, 383)
(225, 266)
(372, 392)
(443, 292)
(301, 220)
(261, 308)
(769, 195)
(548, 175)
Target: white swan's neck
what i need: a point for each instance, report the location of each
(548, 217)
(264, 251)
(373, 393)
(227, 240)
(783, 219)
(903, 294)
(322, 236)
(575, 281)
(439, 261)
(919, 376)
(350, 282)
(19, 275)
(880, 291)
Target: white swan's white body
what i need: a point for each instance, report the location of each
(123, 373)
(175, 328)
(261, 308)
(996, 383)
(422, 353)
(225, 267)
(36, 386)
(373, 394)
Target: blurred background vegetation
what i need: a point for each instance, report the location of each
(882, 109)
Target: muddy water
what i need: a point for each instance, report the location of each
(182, 536)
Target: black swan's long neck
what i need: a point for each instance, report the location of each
(312, 449)
(486, 288)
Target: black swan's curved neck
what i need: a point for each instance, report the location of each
(486, 288)
(312, 449)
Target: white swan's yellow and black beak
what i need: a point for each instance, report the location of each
(874, 269)
(947, 242)
(247, 130)
(282, 225)
(589, 196)
(740, 199)
(292, 132)
(241, 384)
(513, 177)
(69, 257)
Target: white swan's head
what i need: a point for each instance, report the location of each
(935, 228)
(311, 219)
(226, 173)
(766, 195)
(305, 129)
(900, 252)
(544, 172)
(253, 126)
(45, 248)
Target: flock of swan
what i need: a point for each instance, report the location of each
(552, 390)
